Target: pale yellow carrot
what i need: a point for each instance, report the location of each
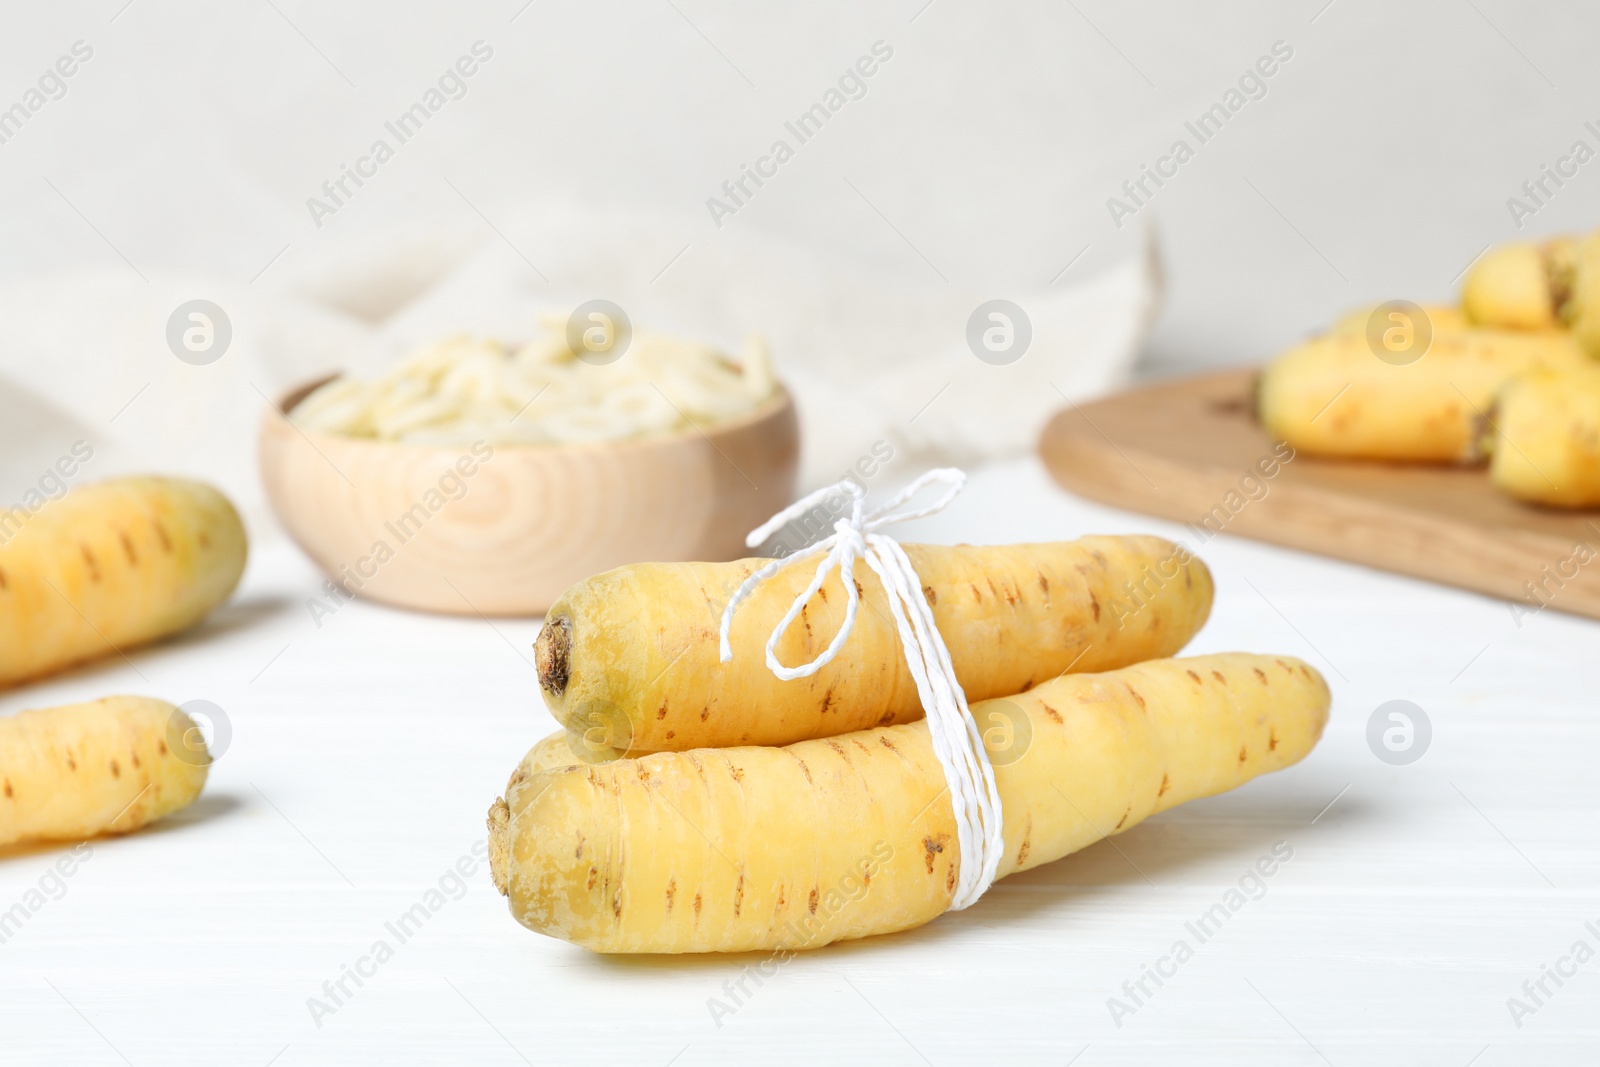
(728, 850)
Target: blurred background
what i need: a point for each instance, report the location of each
(181, 160)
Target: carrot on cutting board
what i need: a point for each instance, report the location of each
(728, 850)
(110, 566)
(1581, 303)
(1544, 438)
(1333, 396)
(1521, 286)
(633, 654)
(1538, 286)
(105, 767)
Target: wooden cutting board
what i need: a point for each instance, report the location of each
(1189, 450)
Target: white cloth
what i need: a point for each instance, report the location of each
(868, 359)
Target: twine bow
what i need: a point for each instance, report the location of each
(956, 740)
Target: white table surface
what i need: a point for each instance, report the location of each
(365, 753)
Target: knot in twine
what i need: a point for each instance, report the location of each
(968, 774)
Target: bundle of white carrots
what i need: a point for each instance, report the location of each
(693, 805)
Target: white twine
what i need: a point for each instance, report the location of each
(956, 740)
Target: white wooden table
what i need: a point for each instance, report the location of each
(1417, 900)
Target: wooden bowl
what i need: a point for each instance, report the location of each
(448, 530)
